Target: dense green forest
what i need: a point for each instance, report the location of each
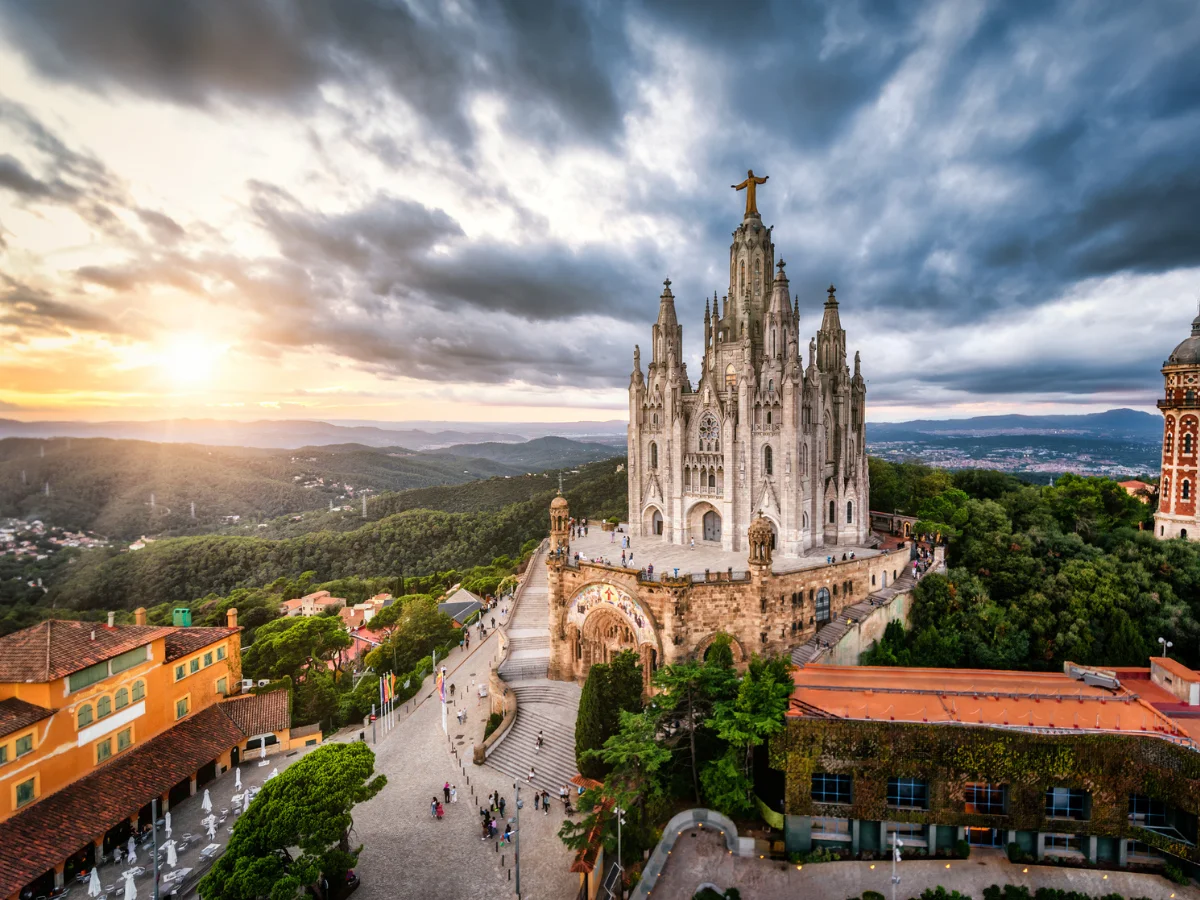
(1041, 575)
(415, 542)
(106, 485)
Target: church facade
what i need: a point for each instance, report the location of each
(766, 430)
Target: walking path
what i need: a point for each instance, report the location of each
(544, 707)
(407, 852)
(700, 856)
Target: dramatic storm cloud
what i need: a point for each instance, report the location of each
(430, 209)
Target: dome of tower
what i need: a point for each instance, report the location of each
(559, 502)
(1187, 353)
(760, 527)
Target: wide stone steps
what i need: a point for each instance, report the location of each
(820, 643)
(514, 670)
(554, 764)
(538, 642)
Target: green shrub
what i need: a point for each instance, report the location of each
(1175, 874)
(1016, 854)
(962, 849)
(872, 895)
(493, 723)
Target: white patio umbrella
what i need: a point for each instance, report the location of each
(130, 845)
(172, 859)
(237, 778)
(131, 854)
(206, 804)
(211, 822)
(130, 887)
(167, 823)
(94, 888)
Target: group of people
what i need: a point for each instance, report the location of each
(450, 795)
(830, 560)
(578, 529)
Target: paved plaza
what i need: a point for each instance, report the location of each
(700, 856)
(606, 546)
(408, 853)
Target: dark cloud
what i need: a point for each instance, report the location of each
(29, 311)
(162, 227)
(557, 60)
(16, 178)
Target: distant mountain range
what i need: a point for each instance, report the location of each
(1113, 424)
(125, 488)
(291, 434)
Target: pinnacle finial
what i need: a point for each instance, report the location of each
(560, 483)
(667, 283)
(832, 290)
(779, 265)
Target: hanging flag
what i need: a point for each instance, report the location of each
(441, 685)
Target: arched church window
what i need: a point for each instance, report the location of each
(773, 353)
(849, 512)
(654, 420)
(832, 513)
(1187, 443)
(757, 277)
(708, 433)
(768, 417)
(768, 461)
(1169, 442)
(712, 480)
(653, 455)
(742, 277)
(1185, 489)
(1189, 396)
(730, 377)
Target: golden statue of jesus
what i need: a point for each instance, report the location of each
(750, 184)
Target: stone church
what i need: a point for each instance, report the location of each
(1178, 514)
(762, 463)
(766, 430)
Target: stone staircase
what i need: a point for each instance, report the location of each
(549, 707)
(542, 705)
(819, 644)
(529, 629)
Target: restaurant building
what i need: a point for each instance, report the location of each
(96, 721)
(1087, 765)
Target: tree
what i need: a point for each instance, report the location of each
(609, 689)
(688, 692)
(307, 807)
(291, 646)
(746, 722)
(419, 630)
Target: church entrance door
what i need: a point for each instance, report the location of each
(657, 522)
(712, 526)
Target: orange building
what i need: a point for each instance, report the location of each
(95, 722)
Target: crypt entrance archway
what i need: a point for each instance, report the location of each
(704, 523)
(604, 620)
(652, 521)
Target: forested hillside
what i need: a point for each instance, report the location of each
(1041, 575)
(416, 542)
(124, 489)
(538, 454)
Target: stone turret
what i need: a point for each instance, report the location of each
(560, 526)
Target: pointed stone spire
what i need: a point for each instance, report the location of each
(831, 321)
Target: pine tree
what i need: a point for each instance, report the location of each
(589, 722)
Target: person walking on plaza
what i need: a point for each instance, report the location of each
(539, 741)
(438, 811)
(693, 543)
(501, 804)
(446, 791)
(433, 807)
(536, 799)
(531, 774)
(453, 793)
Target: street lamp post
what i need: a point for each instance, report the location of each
(620, 867)
(154, 839)
(896, 845)
(1166, 645)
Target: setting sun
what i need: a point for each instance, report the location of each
(191, 358)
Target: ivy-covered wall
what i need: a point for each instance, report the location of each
(1109, 767)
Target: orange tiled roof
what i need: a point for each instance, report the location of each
(1025, 700)
(43, 834)
(17, 714)
(1178, 669)
(259, 713)
(187, 640)
(57, 647)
